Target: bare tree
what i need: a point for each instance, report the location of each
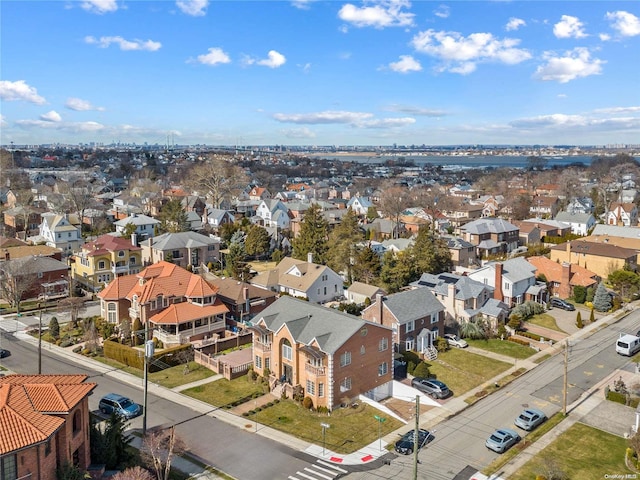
(217, 178)
(75, 306)
(77, 196)
(15, 282)
(91, 337)
(159, 449)
(133, 473)
(393, 202)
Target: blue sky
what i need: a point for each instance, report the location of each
(320, 72)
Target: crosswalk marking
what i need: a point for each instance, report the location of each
(315, 472)
(320, 470)
(331, 465)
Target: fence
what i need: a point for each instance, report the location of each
(222, 365)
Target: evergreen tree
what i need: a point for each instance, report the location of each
(397, 271)
(257, 242)
(236, 266)
(313, 237)
(579, 323)
(173, 218)
(343, 240)
(137, 334)
(601, 299)
(431, 253)
(367, 266)
(129, 229)
(421, 370)
(54, 328)
(592, 317)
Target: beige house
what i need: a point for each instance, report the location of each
(599, 258)
(185, 249)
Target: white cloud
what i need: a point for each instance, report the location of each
(406, 64)
(70, 127)
(442, 11)
(425, 112)
(99, 6)
(616, 110)
(378, 14)
(605, 37)
(105, 42)
(19, 90)
(306, 67)
(625, 23)
(195, 8)
(302, 4)
(274, 60)
(514, 24)
(51, 116)
(576, 63)
(80, 105)
(386, 123)
(460, 54)
(3, 121)
(569, 27)
(215, 56)
(326, 117)
(568, 122)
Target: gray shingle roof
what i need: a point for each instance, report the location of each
(308, 321)
(413, 304)
(169, 241)
(489, 225)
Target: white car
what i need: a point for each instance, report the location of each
(455, 341)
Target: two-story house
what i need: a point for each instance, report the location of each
(360, 205)
(259, 193)
(416, 318)
(105, 258)
(463, 253)
(45, 425)
(216, 217)
(513, 281)
(563, 277)
(179, 306)
(35, 276)
(61, 231)
(317, 283)
(145, 225)
(273, 213)
(600, 258)
(186, 249)
(580, 223)
(624, 214)
(243, 300)
(491, 236)
(333, 356)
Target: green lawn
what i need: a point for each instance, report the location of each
(224, 392)
(349, 430)
(547, 321)
(176, 376)
(503, 347)
(581, 452)
(462, 371)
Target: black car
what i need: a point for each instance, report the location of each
(404, 446)
(4, 353)
(558, 302)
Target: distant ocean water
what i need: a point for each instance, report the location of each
(455, 162)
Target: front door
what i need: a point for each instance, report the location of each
(288, 374)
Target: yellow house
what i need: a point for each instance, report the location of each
(600, 258)
(104, 259)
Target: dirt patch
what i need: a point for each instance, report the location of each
(404, 409)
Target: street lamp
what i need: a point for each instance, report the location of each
(380, 421)
(324, 435)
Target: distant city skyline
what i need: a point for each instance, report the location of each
(312, 72)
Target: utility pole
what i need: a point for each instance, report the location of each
(564, 387)
(148, 353)
(416, 438)
(40, 340)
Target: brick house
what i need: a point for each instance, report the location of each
(491, 235)
(416, 318)
(563, 277)
(45, 424)
(180, 306)
(624, 214)
(182, 248)
(331, 355)
(243, 300)
(38, 277)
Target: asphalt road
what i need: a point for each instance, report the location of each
(239, 453)
(460, 440)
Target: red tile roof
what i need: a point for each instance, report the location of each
(185, 312)
(109, 243)
(29, 404)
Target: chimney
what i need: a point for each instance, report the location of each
(7, 255)
(564, 291)
(134, 239)
(245, 297)
(569, 250)
(379, 308)
(310, 257)
(497, 292)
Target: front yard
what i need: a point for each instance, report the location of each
(503, 347)
(224, 393)
(547, 321)
(463, 371)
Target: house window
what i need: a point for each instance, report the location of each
(434, 318)
(47, 448)
(101, 264)
(311, 387)
(77, 422)
(132, 261)
(211, 248)
(410, 326)
(111, 313)
(8, 467)
(345, 359)
(176, 254)
(287, 351)
(345, 384)
(383, 368)
(321, 389)
(258, 361)
(362, 350)
(121, 253)
(383, 345)
(408, 345)
(267, 363)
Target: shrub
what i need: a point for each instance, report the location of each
(307, 403)
(441, 344)
(258, 409)
(245, 414)
(502, 332)
(579, 323)
(592, 316)
(532, 335)
(411, 366)
(518, 340)
(422, 370)
(323, 410)
(54, 328)
(579, 294)
(78, 349)
(601, 299)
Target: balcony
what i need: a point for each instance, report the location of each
(262, 347)
(120, 270)
(184, 336)
(316, 371)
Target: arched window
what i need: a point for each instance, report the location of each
(287, 351)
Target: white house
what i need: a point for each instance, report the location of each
(61, 231)
(360, 205)
(580, 223)
(145, 225)
(273, 213)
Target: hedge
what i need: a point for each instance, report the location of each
(134, 357)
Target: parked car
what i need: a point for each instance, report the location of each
(502, 440)
(530, 418)
(4, 353)
(404, 446)
(455, 341)
(122, 406)
(433, 388)
(563, 304)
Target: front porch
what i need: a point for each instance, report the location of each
(188, 332)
